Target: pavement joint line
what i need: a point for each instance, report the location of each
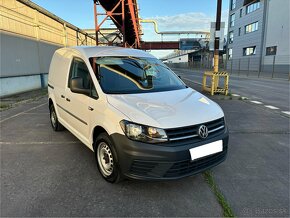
(286, 112)
(39, 143)
(227, 210)
(259, 132)
(16, 115)
(35, 113)
(272, 107)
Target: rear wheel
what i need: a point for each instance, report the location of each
(106, 159)
(55, 124)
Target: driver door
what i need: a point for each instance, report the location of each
(78, 104)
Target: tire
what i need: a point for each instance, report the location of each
(55, 124)
(106, 158)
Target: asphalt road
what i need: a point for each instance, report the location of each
(272, 92)
(47, 173)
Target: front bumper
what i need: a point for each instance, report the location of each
(144, 161)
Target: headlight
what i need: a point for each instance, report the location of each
(143, 133)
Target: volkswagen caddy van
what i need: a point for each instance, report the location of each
(135, 114)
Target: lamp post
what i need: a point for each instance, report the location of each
(217, 35)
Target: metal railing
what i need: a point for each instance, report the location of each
(271, 67)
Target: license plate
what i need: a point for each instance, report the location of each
(205, 150)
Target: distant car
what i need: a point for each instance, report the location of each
(138, 116)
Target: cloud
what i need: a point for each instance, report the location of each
(188, 21)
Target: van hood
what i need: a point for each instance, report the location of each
(169, 109)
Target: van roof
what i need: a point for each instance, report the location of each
(101, 51)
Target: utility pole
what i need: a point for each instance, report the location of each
(217, 35)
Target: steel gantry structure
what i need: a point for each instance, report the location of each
(124, 14)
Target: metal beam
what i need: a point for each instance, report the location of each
(134, 14)
(159, 45)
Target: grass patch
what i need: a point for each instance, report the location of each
(4, 106)
(227, 211)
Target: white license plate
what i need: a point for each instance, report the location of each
(205, 150)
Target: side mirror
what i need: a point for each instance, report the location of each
(76, 86)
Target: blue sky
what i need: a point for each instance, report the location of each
(170, 14)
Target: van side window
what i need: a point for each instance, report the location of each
(79, 69)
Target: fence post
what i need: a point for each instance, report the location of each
(239, 66)
(42, 81)
(274, 61)
(260, 70)
(248, 66)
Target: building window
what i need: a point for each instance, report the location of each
(271, 50)
(250, 51)
(232, 20)
(233, 4)
(251, 27)
(253, 7)
(241, 12)
(240, 31)
(231, 37)
(230, 54)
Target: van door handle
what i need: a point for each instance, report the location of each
(90, 108)
(62, 96)
(67, 99)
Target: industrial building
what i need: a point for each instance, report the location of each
(29, 36)
(258, 37)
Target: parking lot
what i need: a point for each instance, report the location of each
(46, 173)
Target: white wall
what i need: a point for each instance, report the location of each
(19, 84)
(277, 30)
(179, 59)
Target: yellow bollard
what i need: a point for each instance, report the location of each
(214, 87)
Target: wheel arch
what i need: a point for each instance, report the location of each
(96, 132)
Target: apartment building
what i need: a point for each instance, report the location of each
(258, 36)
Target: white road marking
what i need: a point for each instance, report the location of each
(235, 95)
(272, 107)
(256, 102)
(183, 78)
(286, 112)
(23, 112)
(39, 143)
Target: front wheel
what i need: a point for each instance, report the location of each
(106, 159)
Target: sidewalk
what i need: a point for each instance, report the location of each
(11, 101)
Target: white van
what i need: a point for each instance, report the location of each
(138, 117)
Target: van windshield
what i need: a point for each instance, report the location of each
(129, 75)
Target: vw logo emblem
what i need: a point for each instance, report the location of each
(203, 131)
